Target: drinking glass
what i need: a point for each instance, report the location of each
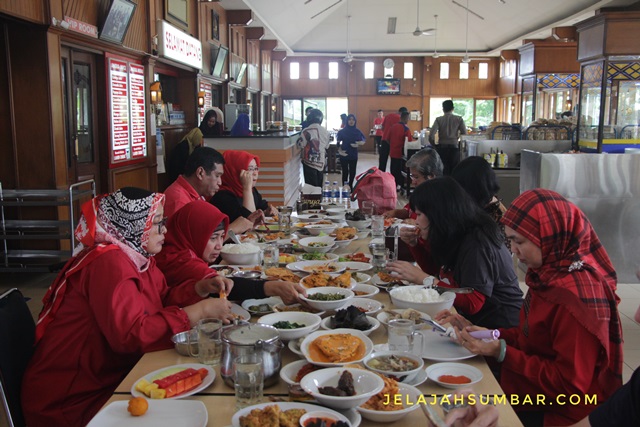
(284, 219)
(248, 380)
(367, 207)
(209, 341)
(380, 254)
(270, 256)
(403, 336)
(377, 226)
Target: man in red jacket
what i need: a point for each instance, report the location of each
(388, 122)
(397, 135)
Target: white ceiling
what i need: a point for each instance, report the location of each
(506, 23)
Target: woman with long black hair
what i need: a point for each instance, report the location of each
(468, 246)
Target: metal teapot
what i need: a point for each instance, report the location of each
(263, 340)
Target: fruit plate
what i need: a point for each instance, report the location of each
(206, 381)
(161, 413)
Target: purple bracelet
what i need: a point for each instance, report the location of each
(491, 334)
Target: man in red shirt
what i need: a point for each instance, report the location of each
(201, 180)
(397, 135)
(387, 123)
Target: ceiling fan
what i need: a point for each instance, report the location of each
(418, 32)
(349, 56)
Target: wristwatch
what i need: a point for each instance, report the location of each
(427, 282)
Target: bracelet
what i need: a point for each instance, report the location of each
(503, 351)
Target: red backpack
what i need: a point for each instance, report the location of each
(377, 186)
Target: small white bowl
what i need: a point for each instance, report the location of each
(331, 205)
(336, 211)
(326, 240)
(310, 320)
(323, 415)
(337, 218)
(431, 308)
(316, 229)
(359, 225)
(375, 324)
(383, 316)
(344, 243)
(304, 282)
(371, 306)
(366, 384)
(310, 217)
(369, 290)
(328, 305)
(289, 372)
(362, 278)
(409, 394)
(320, 256)
(436, 370)
(306, 342)
(404, 376)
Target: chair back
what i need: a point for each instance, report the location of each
(17, 335)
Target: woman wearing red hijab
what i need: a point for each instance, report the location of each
(569, 341)
(237, 195)
(194, 239)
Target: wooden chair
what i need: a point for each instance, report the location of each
(17, 334)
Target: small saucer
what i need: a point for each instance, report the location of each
(420, 378)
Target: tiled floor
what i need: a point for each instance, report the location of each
(35, 285)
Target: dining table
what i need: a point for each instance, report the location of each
(219, 398)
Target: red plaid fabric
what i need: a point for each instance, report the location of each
(576, 271)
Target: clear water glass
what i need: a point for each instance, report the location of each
(248, 380)
(209, 341)
(377, 226)
(270, 256)
(284, 219)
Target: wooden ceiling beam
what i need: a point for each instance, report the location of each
(268, 44)
(254, 33)
(239, 17)
(278, 55)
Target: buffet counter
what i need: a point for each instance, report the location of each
(280, 167)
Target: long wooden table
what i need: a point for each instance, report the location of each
(220, 400)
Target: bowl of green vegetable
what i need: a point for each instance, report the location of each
(317, 256)
(292, 325)
(328, 297)
(321, 244)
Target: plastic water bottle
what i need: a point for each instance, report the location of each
(335, 193)
(326, 193)
(346, 195)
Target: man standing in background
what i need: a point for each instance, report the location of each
(449, 128)
(398, 134)
(377, 126)
(387, 124)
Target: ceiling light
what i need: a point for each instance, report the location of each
(391, 25)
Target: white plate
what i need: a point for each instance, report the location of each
(354, 266)
(383, 317)
(271, 301)
(362, 278)
(240, 312)
(206, 382)
(369, 290)
(354, 416)
(438, 369)
(161, 413)
(352, 283)
(224, 270)
(367, 256)
(375, 280)
(371, 305)
(301, 265)
(375, 324)
(442, 349)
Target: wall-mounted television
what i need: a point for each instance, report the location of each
(218, 56)
(240, 75)
(388, 87)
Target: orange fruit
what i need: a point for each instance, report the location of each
(138, 406)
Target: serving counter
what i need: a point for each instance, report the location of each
(219, 398)
(281, 175)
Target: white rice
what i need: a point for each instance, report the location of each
(418, 295)
(242, 248)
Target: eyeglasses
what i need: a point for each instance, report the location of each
(161, 224)
(416, 176)
(253, 169)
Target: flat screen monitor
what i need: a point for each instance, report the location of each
(115, 26)
(388, 87)
(217, 60)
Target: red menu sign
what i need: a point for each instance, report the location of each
(206, 88)
(127, 110)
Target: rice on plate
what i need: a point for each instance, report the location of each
(242, 248)
(418, 295)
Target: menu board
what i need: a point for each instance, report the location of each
(208, 99)
(127, 110)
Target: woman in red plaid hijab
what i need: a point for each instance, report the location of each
(569, 341)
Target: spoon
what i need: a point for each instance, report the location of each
(442, 289)
(232, 235)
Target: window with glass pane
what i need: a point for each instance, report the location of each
(408, 70)
(464, 108)
(333, 70)
(483, 71)
(368, 70)
(294, 70)
(435, 108)
(292, 111)
(464, 70)
(388, 73)
(484, 112)
(314, 71)
(444, 70)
